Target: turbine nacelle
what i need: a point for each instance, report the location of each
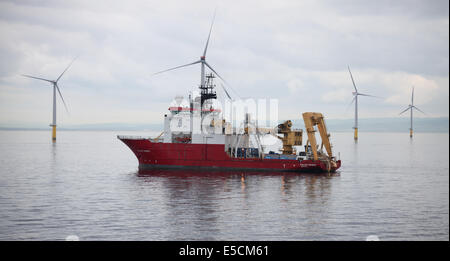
(355, 100)
(410, 108)
(54, 82)
(202, 62)
(55, 89)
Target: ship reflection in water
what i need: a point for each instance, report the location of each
(285, 181)
(241, 205)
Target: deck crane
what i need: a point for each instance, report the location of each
(312, 119)
(290, 137)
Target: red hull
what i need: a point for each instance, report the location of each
(211, 156)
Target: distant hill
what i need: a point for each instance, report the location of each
(334, 125)
(384, 124)
(94, 127)
(116, 126)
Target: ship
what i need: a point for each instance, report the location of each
(217, 145)
(197, 136)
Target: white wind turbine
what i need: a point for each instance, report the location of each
(411, 107)
(202, 63)
(55, 88)
(355, 99)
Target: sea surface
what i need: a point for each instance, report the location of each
(87, 186)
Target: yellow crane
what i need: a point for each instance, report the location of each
(157, 138)
(311, 120)
(294, 137)
(290, 137)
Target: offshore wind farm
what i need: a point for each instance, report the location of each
(270, 154)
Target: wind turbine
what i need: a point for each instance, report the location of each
(202, 62)
(55, 88)
(355, 99)
(411, 107)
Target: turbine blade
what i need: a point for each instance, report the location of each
(405, 110)
(209, 66)
(412, 96)
(418, 109)
(210, 29)
(225, 90)
(65, 106)
(29, 76)
(226, 83)
(350, 104)
(362, 94)
(353, 81)
(66, 69)
(177, 67)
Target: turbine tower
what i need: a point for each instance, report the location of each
(411, 107)
(55, 88)
(355, 99)
(202, 62)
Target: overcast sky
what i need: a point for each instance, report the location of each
(294, 51)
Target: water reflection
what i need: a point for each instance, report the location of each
(53, 164)
(184, 180)
(243, 183)
(53, 152)
(391, 186)
(197, 201)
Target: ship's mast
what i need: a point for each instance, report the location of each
(207, 91)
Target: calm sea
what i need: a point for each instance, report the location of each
(88, 185)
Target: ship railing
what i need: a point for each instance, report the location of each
(133, 137)
(140, 138)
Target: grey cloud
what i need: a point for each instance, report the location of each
(416, 8)
(264, 49)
